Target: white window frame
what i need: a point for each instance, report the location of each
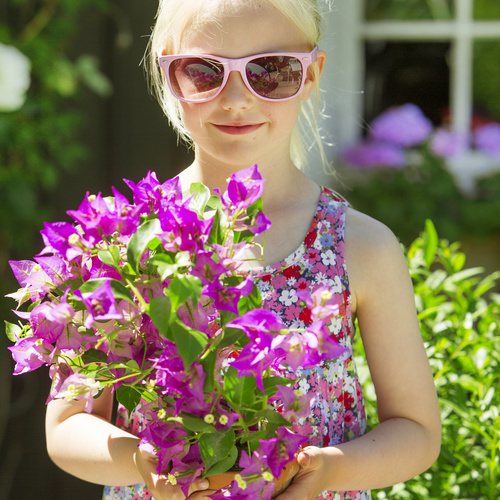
(344, 74)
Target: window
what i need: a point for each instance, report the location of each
(444, 55)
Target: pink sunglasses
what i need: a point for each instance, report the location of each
(272, 77)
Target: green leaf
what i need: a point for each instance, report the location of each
(239, 390)
(140, 240)
(216, 236)
(107, 258)
(87, 66)
(94, 356)
(224, 465)
(431, 242)
(214, 203)
(182, 288)
(195, 424)
(270, 384)
(165, 265)
(273, 417)
(128, 397)
(120, 291)
(230, 337)
(201, 196)
(191, 343)
(208, 364)
(12, 331)
(160, 312)
(216, 446)
(250, 302)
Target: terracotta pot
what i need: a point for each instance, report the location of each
(226, 478)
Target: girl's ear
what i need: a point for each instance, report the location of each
(312, 78)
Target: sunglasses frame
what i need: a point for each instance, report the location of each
(305, 59)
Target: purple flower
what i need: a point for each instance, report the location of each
(448, 143)
(373, 154)
(149, 192)
(185, 388)
(263, 328)
(231, 255)
(251, 484)
(55, 267)
(194, 317)
(311, 347)
(260, 225)
(101, 304)
(49, 321)
(404, 125)
(183, 229)
(487, 138)
(126, 217)
(206, 268)
(277, 452)
(187, 468)
(163, 439)
(31, 353)
(227, 298)
(78, 387)
(257, 356)
(32, 278)
(243, 189)
(96, 269)
(258, 323)
(62, 238)
(295, 404)
(92, 216)
(322, 303)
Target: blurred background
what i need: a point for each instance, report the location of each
(76, 116)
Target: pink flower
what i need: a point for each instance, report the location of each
(78, 387)
(372, 154)
(487, 138)
(448, 143)
(404, 125)
(101, 304)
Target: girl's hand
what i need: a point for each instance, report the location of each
(158, 485)
(310, 480)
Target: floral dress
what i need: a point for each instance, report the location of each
(338, 412)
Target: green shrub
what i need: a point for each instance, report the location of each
(459, 314)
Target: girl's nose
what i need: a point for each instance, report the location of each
(235, 94)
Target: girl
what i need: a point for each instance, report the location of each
(234, 121)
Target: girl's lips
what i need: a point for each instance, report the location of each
(238, 129)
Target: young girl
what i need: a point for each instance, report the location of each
(315, 239)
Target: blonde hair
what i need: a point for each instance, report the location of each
(175, 16)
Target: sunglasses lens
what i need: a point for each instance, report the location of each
(275, 77)
(195, 79)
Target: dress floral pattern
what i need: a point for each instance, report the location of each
(338, 412)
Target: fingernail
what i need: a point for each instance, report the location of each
(204, 484)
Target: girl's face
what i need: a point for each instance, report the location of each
(238, 128)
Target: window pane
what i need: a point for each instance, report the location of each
(486, 9)
(400, 73)
(487, 79)
(407, 10)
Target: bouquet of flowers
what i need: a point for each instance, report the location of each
(149, 298)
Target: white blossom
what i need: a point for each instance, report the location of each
(14, 78)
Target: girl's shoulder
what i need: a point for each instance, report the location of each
(373, 255)
(366, 234)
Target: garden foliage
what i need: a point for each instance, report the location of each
(459, 313)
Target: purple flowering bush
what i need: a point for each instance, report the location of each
(148, 298)
(406, 171)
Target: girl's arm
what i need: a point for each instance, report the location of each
(89, 447)
(407, 440)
